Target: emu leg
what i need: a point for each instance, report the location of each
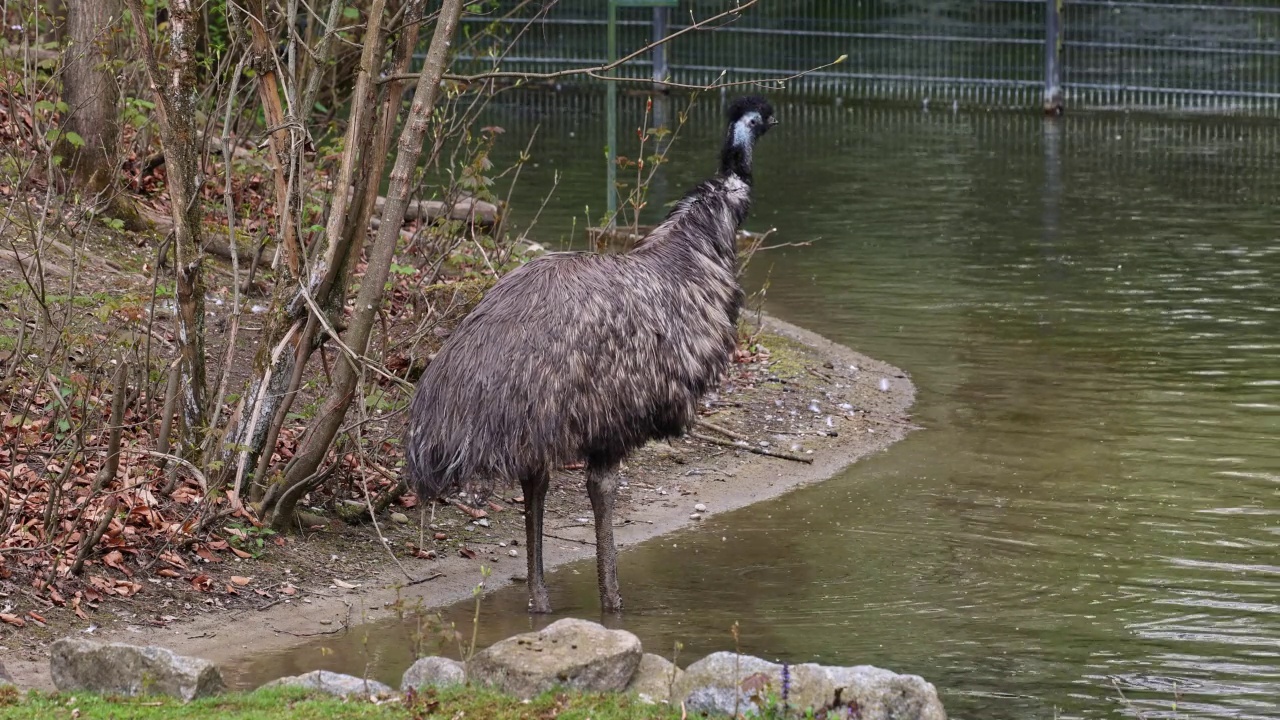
(602, 486)
(535, 495)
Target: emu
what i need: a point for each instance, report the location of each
(586, 357)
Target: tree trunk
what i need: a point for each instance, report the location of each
(289, 335)
(92, 98)
(269, 93)
(177, 106)
(321, 434)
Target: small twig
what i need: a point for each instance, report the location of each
(166, 415)
(271, 604)
(195, 471)
(373, 518)
(428, 578)
(819, 374)
(89, 543)
(566, 539)
(118, 393)
(334, 631)
(57, 395)
(47, 605)
(751, 448)
(884, 421)
(594, 71)
(721, 429)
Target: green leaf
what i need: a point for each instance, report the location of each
(44, 105)
(75, 139)
(350, 13)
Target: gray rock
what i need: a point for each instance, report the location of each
(569, 653)
(655, 678)
(332, 683)
(79, 664)
(884, 694)
(720, 681)
(5, 679)
(433, 671)
(725, 682)
(399, 518)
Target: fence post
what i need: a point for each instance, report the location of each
(659, 52)
(1053, 104)
(611, 116)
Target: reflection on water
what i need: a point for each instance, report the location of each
(1089, 310)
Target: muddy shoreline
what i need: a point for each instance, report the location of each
(739, 478)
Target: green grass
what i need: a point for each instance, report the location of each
(295, 704)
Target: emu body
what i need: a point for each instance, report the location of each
(585, 357)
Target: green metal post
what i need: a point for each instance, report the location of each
(1053, 102)
(611, 205)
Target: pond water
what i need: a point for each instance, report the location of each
(1088, 525)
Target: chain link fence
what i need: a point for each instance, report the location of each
(1181, 55)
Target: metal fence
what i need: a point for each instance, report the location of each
(1185, 55)
(1209, 159)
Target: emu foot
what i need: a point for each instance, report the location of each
(539, 603)
(611, 602)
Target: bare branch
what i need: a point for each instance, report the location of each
(731, 13)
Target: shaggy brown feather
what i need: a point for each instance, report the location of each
(579, 356)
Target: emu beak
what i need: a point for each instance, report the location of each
(773, 121)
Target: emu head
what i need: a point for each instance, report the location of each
(749, 118)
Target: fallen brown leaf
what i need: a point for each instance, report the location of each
(12, 619)
(241, 581)
(115, 559)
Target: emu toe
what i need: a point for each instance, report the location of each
(539, 603)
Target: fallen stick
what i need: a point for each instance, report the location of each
(428, 578)
(742, 445)
(722, 430)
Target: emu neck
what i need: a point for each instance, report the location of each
(735, 158)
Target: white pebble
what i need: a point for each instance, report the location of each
(700, 507)
(884, 384)
(512, 552)
(695, 516)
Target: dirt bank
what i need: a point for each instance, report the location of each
(802, 395)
